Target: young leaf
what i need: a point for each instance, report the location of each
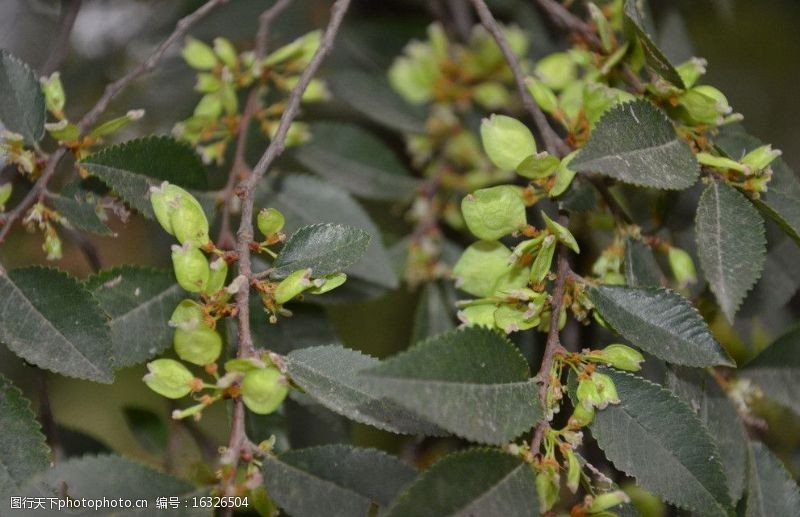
(636, 143)
(133, 167)
(472, 482)
(777, 370)
(346, 480)
(641, 268)
(49, 320)
(709, 402)
(654, 56)
(730, 243)
(471, 382)
(371, 95)
(22, 107)
(139, 302)
(656, 438)
(325, 248)
(661, 322)
(355, 160)
(309, 200)
(329, 375)
(23, 451)
(112, 477)
(770, 487)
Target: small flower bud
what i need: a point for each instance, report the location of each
(547, 490)
(263, 390)
(494, 212)
(539, 165)
(542, 94)
(5, 194)
(606, 390)
(482, 315)
(587, 394)
(608, 500)
(191, 268)
(200, 346)
(682, 266)
(52, 246)
(761, 157)
(114, 125)
(544, 260)
(54, 96)
(506, 141)
(581, 416)
(618, 356)
(270, 221)
(226, 52)
(562, 234)
(188, 315)
(720, 162)
(188, 221)
(705, 105)
(329, 283)
(573, 471)
(63, 131)
(168, 378)
(199, 55)
(218, 273)
(294, 284)
(692, 70)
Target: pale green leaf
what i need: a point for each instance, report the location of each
(22, 108)
(661, 322)
(636, 143)
(338, 480)
(771, 491)
(472, 382)
(50, 320)
(471, 483)
(730, 244)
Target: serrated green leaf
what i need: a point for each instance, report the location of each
(656, 438)
(781, 201)
(111, 477)
(308, 200)
(139, 301)
(22, 108)
(325, 248)
(371, 95)
(471, 382)
(23, 451)
(654, 56)
(131, 168)
(641, 268)
(709, 402)
(779, 281)
(470, 483)
(147, 427)
(336, 480)
(78, 207)
(771, 490)
(50, 320)
(357, 161)
(777, 370)
(636, 143)
(730, 244)
(329, 375)
(661, 322)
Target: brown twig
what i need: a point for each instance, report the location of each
(246, 191)
(112, 90)
(239, 168)
(552, 142)
(60, 45)
(565, 19)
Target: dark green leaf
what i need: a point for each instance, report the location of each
(133, 167)
(308, 200)
(636, 143)
(112, 477)
(48, 319)
(80, 208)
(371, 95)
(434, 314)
(730, 244)
(781, 201)
(325, 248)
(139, 301)
(329, 375)
(654, 56)
(779, 281)
(777, 370)
(641, 268)
(661, 322)
(357, 161)
(336, 480)
(308, 326)
(23, 452)
(709, 402)
(471, 483)
(771, 491)
(22, 107)
(657, 439)
(147, 427)
(471, 382)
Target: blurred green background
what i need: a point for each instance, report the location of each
(751, 47)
